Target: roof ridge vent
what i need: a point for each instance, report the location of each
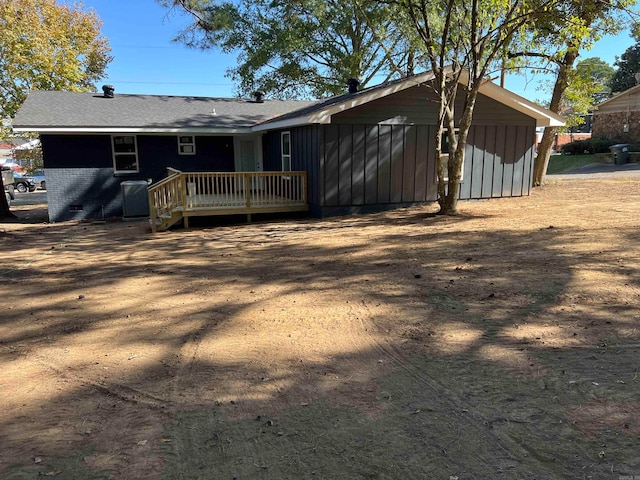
(108, 90)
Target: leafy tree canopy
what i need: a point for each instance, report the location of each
(301, 48)
(628, 65)
(48, 46)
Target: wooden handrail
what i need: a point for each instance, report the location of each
(200, 192)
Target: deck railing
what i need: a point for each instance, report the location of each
(214, 193)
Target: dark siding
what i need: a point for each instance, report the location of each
(376, 166)
(77, 151)
(81, 183)
(345, 156)
(489, 161)
(332, 165)
(498, 162)
(271, 152)
(432, 166)
(421, 162)
(358, 165)
(384, 164)
(509, 160)
(409, 165)
(397, 163)
(419, 105)
(155, 154)
(371, 165)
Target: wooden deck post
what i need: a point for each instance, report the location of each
(152, 211)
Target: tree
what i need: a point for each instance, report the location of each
(558, 39)
(597, 74)
(628, 66)
(588, 86)
(46, 46)
(464, 41)
(301, 48)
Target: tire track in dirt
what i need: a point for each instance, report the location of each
(502, 448)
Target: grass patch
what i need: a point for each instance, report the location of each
(566, 163)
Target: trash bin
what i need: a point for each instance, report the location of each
(620, 153)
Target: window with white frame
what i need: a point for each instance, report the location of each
(186, 145)
(125, 154)
(285, 138)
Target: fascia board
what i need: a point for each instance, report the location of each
(543, 117)
(89, 130)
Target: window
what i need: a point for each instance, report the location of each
(286, 151)
(186, 145)
(125, 154)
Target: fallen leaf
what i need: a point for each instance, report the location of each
(142, 443)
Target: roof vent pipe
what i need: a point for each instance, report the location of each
(353, 84)
(259, 96)
(108, 91)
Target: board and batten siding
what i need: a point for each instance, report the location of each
(419, 106)
(361, 167)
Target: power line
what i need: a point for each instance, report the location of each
(171, 83)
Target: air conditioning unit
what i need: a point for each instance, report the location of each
(135, 199)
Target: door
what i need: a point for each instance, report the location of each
(248, 157)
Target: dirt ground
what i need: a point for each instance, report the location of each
(501, 344)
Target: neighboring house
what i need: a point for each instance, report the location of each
(362, 151)
(618, 118)
(6, 152)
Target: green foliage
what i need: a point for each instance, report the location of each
(301, 48)
(587, 146)
(628, 64)
(47, 46)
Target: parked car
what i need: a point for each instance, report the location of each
(37, 178)
(8, 181)
(23, 184)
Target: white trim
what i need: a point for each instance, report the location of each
(133, 130)
(282, 154)
(114, 154)
(289, 123)
(191, 144)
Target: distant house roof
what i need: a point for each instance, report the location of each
(55, 111)
(60, 112)
(629, 99)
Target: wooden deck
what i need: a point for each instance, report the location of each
(182, 195)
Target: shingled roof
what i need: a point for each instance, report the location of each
(72, 111)
(90, 112)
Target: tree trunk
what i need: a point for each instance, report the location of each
(544, 153)
(4, 207)
(546, 144)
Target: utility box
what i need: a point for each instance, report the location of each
(620, 153)
(135, 199)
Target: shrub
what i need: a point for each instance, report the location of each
(590, 145)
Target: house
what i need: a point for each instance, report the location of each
(618, 118)
(365, 150)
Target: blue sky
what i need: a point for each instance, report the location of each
(147, 61)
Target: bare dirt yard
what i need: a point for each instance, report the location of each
(501, 344)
